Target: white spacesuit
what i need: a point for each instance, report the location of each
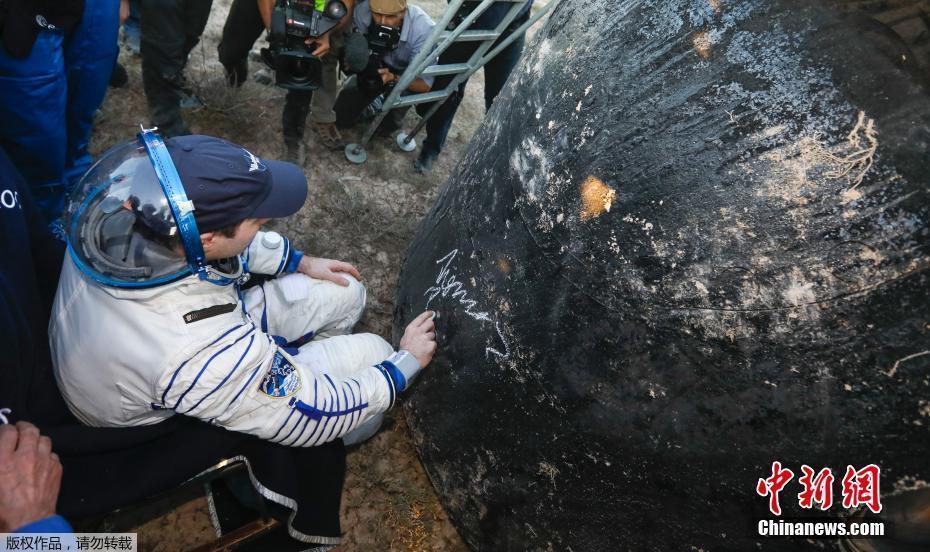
(128, 353)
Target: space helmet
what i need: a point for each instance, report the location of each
(130, 221)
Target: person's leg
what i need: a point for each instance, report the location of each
(196, 14)
(322, 112)
(351, 103)
(242, 28)
(295, 305)
(90, 55)
(437, 127)
(393, 120)
(499, 68)
(342, 356)
(33, 100)
(324, 98)
(163, 60)
(294, 121)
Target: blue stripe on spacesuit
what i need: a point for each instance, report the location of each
(400, 382)
(340, 421)
(342, 428)
(252, 377)
(347, 422)
(176, 372)
(318, 414)
(332, 416)
(273, 437)
(287, 249)
(297, 420)
(339, 408)
(264, 321)
(222, 383)
(316, 427)
(207, 364)
(306, 420)
(306, 423)
(311, 413)
(356, 399)
(293, 261)
(390, 383)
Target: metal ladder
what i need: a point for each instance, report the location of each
(424, 65)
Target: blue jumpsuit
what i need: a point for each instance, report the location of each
(48, 100)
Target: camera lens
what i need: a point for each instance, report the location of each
(335, 9)
(299, 69)
(299, 66)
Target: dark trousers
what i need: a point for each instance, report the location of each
(170, 30)
(496, 72)
(352, 101)
(242, 28)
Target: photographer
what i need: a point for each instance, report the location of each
(318, 103)
(395, 34)
(244, 24)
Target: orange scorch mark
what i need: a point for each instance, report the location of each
(596, 197)
(701, 44)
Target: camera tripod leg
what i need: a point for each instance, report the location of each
(356, 153)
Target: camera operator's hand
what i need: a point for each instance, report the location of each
(420, 338)
(387, 77)
(30, 476)
(322, 45)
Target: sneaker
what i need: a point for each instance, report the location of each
(424, 162)
(119, 77)
(329, 135)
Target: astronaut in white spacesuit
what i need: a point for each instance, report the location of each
(150, 319)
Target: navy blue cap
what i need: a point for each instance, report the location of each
(228, 184)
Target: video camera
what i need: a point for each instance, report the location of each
(381, 40)
(292, 23)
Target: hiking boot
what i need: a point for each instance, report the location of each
(294, 152)
(329, 135)
(237, 73)
(424, 162)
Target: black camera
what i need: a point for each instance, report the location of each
(381, 40)
(292, 23)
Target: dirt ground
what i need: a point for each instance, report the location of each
(365, 214)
